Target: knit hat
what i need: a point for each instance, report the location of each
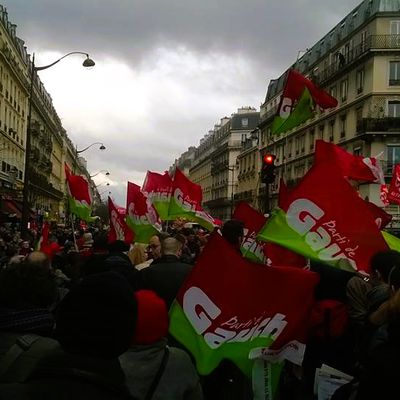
(152, 318)
(97, 317)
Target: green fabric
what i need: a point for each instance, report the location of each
(277, 230)
(143, 232)
(303, 111)
(392, 241)
(176, 210)
(81, 210)
(162, 208)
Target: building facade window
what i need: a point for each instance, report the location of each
(245, 122)
(321, 132)
(343, 89)
(312, 138)
(394, 109)
(342, 126)
(394, 73)
(331, 130)
(360, 76)
(393, 156)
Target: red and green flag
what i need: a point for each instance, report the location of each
(340, 232)
(253, 221)
(186, 202)
(80, 200)
(298, 102)
(358, 168)
(158, 189)
(119, 230)
(231, 308)
(141, 216)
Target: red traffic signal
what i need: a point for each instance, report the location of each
(269, 159)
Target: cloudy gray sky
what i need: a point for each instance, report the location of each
(166, 70)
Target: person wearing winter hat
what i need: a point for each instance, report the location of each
(152, 368)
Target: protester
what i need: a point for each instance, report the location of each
(152, 368)
(166, 274)
(233, 231)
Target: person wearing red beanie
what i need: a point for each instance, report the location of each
(154, 370)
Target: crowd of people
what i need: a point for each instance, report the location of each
(84, 318)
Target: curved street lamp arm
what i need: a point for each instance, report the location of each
(55, 62)
(88, 147)
(97, 173)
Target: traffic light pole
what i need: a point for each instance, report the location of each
(266, 205)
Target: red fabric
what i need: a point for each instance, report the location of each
(329, 319)
(78, 187)
(294, 88)
(51, 249)
(250, 293)
(394, 189)
(384, 195)
(382, 218)
(353, 167)
(191, 192)
(44, 239)
(119, 230)
(138, 205)
(340, 222)
(155, 182)
(152, 318)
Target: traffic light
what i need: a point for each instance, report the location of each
(268, 168)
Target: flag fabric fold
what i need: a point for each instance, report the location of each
(141, 216)
(119, 230)
(341, 233)
(358, 168)
(186, 202)
(298, 102)
(394, 189)
(158, 189)
(80, 200)
(247, 313)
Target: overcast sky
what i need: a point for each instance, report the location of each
(166, 70)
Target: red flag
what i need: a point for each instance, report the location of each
(254, 308)
(394, 189)
(353, 167)
(382, 218)
(253, 222)
(384, 195)
(158, 189)
(142, 218)
(119, 230)
(326, 220)
(78, 187)
(186, 201)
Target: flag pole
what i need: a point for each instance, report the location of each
(73, 232)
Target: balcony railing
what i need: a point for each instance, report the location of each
(372, 42)
(386, 124)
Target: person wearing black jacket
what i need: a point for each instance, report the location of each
(166, 274)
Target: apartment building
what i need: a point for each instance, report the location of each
(358, 62)
(13, 113)
(215, 165)
(50, 145)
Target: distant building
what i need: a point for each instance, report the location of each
(358, 62)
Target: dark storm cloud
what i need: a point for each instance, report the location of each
(269, 31)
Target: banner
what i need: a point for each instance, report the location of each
(326, 221)
(158, 189)
(298, 101)
(80, 200)
(358, 168)
(186, 202)
(141, 217)
(384, 195)
(382, 218)
(229, 306)
(394, 189)
(253, 222)
(119, 230)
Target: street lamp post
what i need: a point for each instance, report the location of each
(25, 202)
(102, 171)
